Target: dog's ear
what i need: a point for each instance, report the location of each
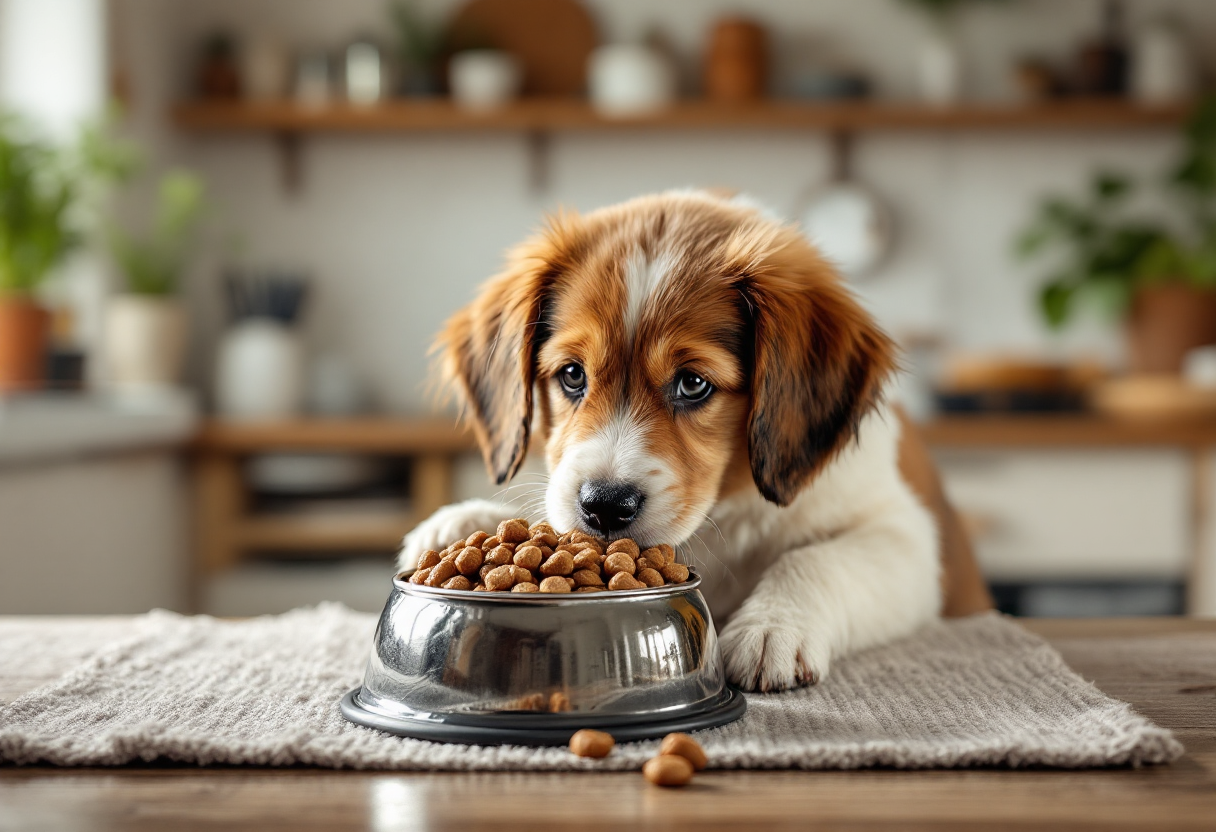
(819, 366)
(489, 348)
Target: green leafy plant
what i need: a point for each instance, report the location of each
(154, 262)
(420, 42)
(48, 197)
(1103, 248)
(36, 200)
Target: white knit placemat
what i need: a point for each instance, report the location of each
(976, 691)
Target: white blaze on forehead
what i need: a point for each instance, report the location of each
(615, 452)
(644, 276)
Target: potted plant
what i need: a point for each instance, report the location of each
(420, 45)
(1159, 274)
(36, 197)
(145, 326)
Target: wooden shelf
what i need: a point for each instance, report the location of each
(371, 435)
(1079, 431)
(544, 115)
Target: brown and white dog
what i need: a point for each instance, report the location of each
(700, 376)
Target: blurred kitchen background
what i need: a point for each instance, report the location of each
(229, 231)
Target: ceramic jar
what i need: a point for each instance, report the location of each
(144, 342)
(260, 371)
(736, 63)
(484, 79)
(629, 79)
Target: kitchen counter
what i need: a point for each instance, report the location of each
(41, 426)
(1124, 657)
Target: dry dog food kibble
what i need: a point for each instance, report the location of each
(682, 745)
(522, 558)
(588, 743)
(667, 770)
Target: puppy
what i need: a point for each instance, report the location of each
(698, 375)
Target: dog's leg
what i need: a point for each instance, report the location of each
(868, 585)
(449, 523)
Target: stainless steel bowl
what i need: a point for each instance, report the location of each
(458, 666)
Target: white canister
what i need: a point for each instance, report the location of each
(939, 71)
(143, 342)
(484, 79)
(1163, 71)
(260, 371)
(629, 79)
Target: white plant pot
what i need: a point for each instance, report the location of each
(260, 371)
(939, 72)
(143, 342)
(628, 79)
(484, 79)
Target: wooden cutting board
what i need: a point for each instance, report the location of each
(551, 38)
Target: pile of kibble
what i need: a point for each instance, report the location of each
(679, 755)
(519, 558)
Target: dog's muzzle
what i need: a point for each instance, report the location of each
(608, 506)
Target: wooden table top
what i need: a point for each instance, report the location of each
(1179, 694)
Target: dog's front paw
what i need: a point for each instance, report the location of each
(767, 653)
(448, 524)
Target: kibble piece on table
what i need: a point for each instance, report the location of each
(685, 746)
(588, 743)
(668, 770)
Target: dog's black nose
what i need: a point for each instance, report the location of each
(609, 506)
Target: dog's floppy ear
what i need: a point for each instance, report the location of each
(489, 352)
(819, 365)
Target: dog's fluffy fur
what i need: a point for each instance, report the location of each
(783, 487)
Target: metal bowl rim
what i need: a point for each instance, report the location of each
(401, 582)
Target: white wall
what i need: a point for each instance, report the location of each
(398, 230)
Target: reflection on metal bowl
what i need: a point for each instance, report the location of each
(532, 669)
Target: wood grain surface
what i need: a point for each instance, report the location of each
(1161, 666)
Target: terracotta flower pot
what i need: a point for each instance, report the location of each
(24, 329)
(1165, 323)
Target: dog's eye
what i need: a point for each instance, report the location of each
(691, 388)
(573, 379)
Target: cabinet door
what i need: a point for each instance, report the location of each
(1053, 514)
